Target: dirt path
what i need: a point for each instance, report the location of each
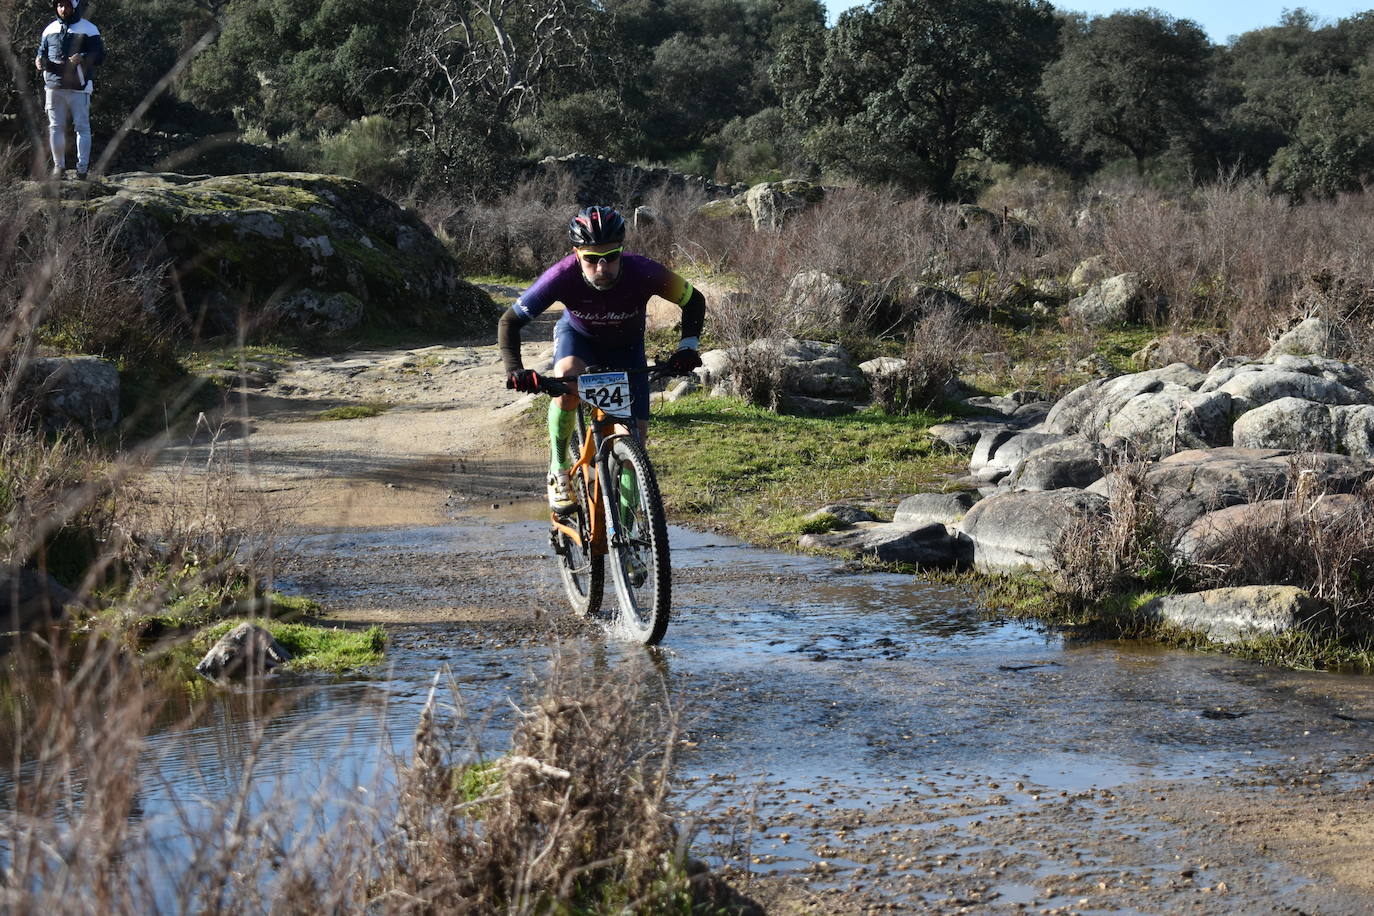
(448, 433)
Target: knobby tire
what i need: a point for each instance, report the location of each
(644, 605)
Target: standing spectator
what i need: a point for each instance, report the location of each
(68, 54)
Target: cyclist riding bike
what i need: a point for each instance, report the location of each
(605, 292)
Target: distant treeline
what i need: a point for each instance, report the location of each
(930, 95)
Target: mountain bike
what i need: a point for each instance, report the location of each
(617, 513)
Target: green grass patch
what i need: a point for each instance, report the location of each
(313, 648)
(475, 780)
(232, 357)
(205, 606)
(1046, 359)
(724, 464)
(353, 411)
(501, 280)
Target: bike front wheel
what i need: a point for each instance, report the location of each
(639, 549)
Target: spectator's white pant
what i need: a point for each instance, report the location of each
(73, 104)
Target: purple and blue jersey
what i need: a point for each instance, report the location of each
(614, 315)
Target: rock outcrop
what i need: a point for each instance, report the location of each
(245, 651)
(310, 252)
(71, 392)
(1233, 615)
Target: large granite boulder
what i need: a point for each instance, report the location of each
(244, 249)
(1352, 430)
(812, 375)
(1288, 423)
(999, 452)
(1200, 350)
(1211, 532)
(1172, 419)
(1311, 336)
(771, 202)
(1018, 531)
(1233, 615)
(928, 546)
(1088, 409)
(70, 391)
(1252, 389)
(245, 651)
(1069, 462)
(1192, 483)
(945, 509)
(818, 299)
(1110, 302)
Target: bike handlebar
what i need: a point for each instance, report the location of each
(555, 385)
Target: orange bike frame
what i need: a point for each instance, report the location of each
(584, 467)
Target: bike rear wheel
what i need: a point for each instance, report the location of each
(639, 550)
(583, 573)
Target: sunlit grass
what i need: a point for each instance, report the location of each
(725, 464)
(353, 411)
(313, 648)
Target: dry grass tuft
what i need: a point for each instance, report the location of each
(1321, 544)
(1129, 547)
(576, 821)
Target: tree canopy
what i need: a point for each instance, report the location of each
(921, 93)
(904, 90)
(1132, 83)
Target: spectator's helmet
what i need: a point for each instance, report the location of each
(596, 226)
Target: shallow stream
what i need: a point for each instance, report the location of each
(860, 739)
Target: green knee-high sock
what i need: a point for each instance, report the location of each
(629, 493)
(560, 428)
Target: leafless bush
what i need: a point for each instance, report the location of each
(58, 510)
(575, 814)
(1321, 543)
(66, 822)
(526, 230)
(1128, 546)
(520, 233)
(574, 817)
(935, 351)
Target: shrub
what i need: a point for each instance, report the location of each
(577, 819)
(1323, 546)
(931, 360)
(1128, 547)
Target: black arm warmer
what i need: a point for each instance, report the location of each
(508, 339)
(694, 314)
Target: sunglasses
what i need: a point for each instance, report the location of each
(591, 257)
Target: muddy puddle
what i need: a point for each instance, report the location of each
(857, 742)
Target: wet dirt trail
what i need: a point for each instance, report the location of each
(855, 742)
(861, 742)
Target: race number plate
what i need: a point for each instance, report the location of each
(608, 390)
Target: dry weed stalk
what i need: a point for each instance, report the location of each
(576, 815)
(1130, 545)
(1318, 542)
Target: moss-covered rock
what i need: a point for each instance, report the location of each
(254, 247)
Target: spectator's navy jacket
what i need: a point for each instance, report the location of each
(60, 41)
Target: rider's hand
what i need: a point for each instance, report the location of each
(525, 380)
(683, 361)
